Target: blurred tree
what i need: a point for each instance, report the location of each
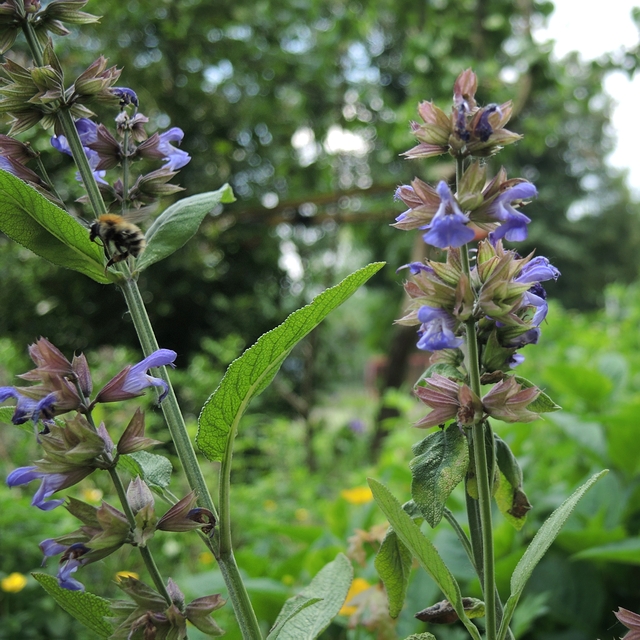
(304, 107)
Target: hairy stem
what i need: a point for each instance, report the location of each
(480, 461)
(237, 592)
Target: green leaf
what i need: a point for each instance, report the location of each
(512, 502)
(31, 220)
(174, 227)
(539, 546)
(87, 608)
(6, 413)
(155, 470)
(421, 636)
(543, 403)
(393, 564)
(305, 620)
(423, 549)
(441, 463)
(626, 551)
(291, 608)
(250, 374)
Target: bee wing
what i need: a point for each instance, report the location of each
(139, 215)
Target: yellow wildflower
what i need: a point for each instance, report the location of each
(92, 495)
(357, 495)
(357, 586)
(13, 583)
(301, 515)
(127, 574)
(206, 557)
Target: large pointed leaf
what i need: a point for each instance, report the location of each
(250, 374)
(423, 550)
(393, 564)
(539, 546)
(174, 227)
(31, 220)
(292, 607)
(440, 465)
(305, 620)
(87, 608)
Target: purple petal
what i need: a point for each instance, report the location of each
(23, 475)
(50, 547)
(50, 484)
(64, 576)
(175, 158)
(60, 143)
(449, 231)
(87, 130)
(537, 270)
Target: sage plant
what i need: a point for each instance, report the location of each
(474, 312)
(60, 402)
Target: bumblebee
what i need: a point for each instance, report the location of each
(120, 238)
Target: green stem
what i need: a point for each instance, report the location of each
(125, 171)
(149, 562)
(480, 459)
(237, 592)
(32, 41)
(82, 162)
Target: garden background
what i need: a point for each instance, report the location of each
(303, 107)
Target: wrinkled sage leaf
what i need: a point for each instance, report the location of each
(154, 469)
(31, 220)
(175, 226)
(87, 608)
(441, 463)
(393, 564)
(423, 550)
(306, 620)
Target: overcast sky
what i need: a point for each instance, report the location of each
(593, 32)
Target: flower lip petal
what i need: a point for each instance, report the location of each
(23, 475)
(159, 358)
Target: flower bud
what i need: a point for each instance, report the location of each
(133, 437)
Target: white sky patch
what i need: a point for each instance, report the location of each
(594, 31)
(340, 140)
(304, 142)
(290, 261)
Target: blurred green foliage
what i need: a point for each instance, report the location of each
(261, 90)
(257, 88)
(289, 521)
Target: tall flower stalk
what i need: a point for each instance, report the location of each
(475, 311)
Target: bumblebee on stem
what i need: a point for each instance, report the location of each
(120, 238)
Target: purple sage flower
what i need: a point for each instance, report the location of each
(537, 270)
(513, 225)
(483, 128)
(416, 267)
(449, 225)
(436, 332)
(127, 96)
(536, 297)
(51, 482)
(174, 158)
(28, 408)
(73, 557)
(71, 560)
(133, 380)
(88, 132)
